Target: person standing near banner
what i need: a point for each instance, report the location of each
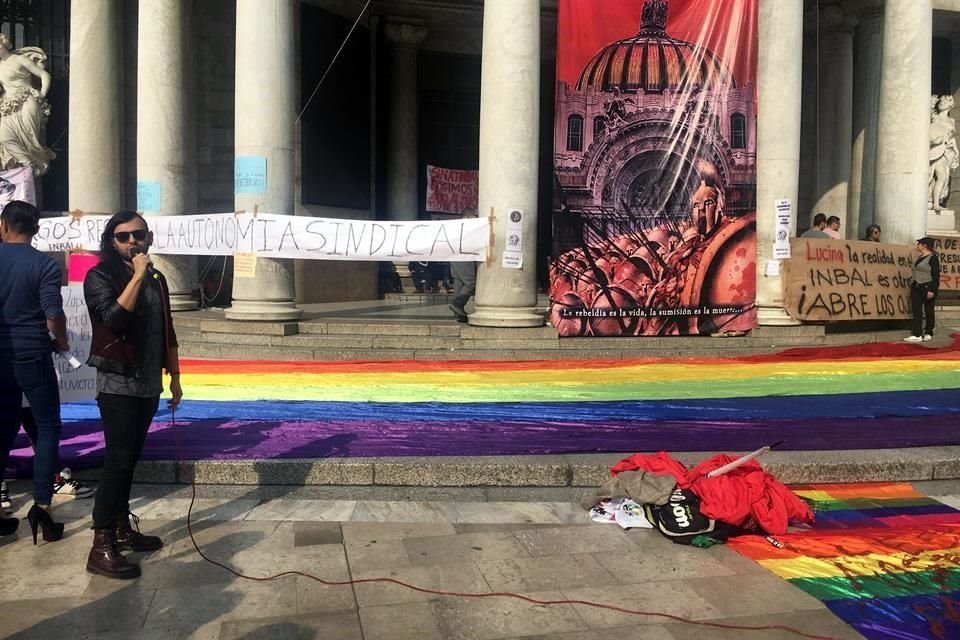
(924, 284)
(31, 310)
(464, 276)
(133, 342)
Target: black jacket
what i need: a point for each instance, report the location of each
(118, 339)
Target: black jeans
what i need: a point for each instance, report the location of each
(35, 378)
(126, 420)
(922, 310)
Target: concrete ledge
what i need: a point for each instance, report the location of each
(549, 471)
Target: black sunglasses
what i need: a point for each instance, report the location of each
(123, 237)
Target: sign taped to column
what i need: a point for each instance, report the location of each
(281, 236)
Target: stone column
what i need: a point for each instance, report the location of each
(835, 114)
(165, 144)
(96, 106)
(509, 148)
(264, 128)
(903, 131)
(779, 82)
(866, 96)
(403, 140)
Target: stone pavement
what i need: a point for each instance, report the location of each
(546, 550)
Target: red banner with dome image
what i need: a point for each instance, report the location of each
(655, 167)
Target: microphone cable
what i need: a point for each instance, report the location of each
(454, 594)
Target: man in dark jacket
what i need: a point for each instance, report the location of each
(133, 342)
(31, 310)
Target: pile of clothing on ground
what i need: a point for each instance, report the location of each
(688, 507)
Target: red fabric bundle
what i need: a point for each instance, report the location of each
(735, 497)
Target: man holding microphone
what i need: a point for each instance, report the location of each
(133, 342)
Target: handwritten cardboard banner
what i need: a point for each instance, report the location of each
(76, 384)
(949, 251)
(841, 280)
(280, 236)
(451, 190)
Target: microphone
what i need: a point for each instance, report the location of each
(136, 251)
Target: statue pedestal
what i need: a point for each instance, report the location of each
(941, 221)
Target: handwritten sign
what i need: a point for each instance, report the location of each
(249, 174)
(949, 251)
(148, 195)
(76, 384)
(451, 190)
(282, 236)
(838, 280)
(17, 184)
(245, 265)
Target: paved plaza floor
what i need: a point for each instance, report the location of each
(545, 550)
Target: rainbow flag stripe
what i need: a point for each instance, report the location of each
(882, 557)
(830, 398)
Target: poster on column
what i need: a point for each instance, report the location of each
(655, 165)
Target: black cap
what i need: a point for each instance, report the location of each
(927, 242)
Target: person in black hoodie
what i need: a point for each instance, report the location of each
(923, 291)
(133, 342)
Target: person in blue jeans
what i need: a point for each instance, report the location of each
(31, 310)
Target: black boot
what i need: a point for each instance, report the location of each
(8, 526)
(105, 560)
(130, 539)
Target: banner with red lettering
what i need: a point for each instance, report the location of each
(655, 165)
(451, 190)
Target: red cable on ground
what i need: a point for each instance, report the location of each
(504, 594)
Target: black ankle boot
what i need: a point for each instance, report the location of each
(8, 526)
(130, 539)
(105, 560)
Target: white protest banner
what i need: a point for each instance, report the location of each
(17, 184)
(280, 236)
(451, 190)
(80, 383)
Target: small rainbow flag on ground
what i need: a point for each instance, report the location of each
(882, 557)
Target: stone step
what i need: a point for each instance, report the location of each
(547, 471)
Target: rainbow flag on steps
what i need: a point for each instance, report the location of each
(875, 396)
(882, 557)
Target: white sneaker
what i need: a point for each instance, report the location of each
(66, 487)
(5, 503)
(913, 339)
(927, 337)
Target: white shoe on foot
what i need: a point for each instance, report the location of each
(66, 487)
(5, 503)
(927, 337)
(913, 339)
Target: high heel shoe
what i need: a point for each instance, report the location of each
(39, 517)
(8, 526)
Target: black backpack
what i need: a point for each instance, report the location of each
(680, 519)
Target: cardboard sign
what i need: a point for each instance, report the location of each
(840, 280)
(451, 190)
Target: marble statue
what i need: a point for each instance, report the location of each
(944, 155)
(23, 108)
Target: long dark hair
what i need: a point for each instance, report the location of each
(107, 250)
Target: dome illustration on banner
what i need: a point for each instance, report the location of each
(655, 174)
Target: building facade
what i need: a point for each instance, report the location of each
(172, 91)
